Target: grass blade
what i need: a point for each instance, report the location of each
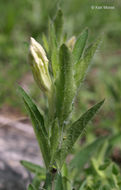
(30, 187)
(86, 153)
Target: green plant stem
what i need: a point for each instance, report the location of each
(52, 188)
(51, 107)
(50, 181)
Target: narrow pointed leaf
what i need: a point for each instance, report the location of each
(36, 182)
(42, 139)
(34, 108)
(65, 84)
(83, 64)
(45, 42)
(79, 46)
(31, 187)
(53, 49)
(113, 92)
(83, 185)
(58, 23)
(33, 167)
(75, 131)
(38, 128)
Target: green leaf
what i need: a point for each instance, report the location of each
(113, 92)
(86, 153)
(115, 139)
(65, 85)
(36, 182)
(53, 49)
(45, 42)
(33, 167)
(115, 169)
(66, 182)
(75, 131)
(104, 166)
(83, 185)
(58, 23)
(58, 182)
(31, 187)
(64, 170)
(54, 139)
(34, 108)
(37, 125)
(83, 64)
(79, 46)
(102, 151)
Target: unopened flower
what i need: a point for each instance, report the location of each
(71, 42)
(39, 65)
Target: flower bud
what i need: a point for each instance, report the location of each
(71, 42)
(39, 65)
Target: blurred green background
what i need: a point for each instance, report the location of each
(21, 19)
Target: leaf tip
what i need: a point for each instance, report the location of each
(102, 101)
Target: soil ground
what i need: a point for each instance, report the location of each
(17, 142)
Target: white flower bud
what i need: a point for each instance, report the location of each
(39, 64)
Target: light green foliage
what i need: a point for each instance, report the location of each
(36, 181)
(33, 167)
(86, 153)
(35, 185)
(55, 132)
(31, 187)
(101, 178)
(114, 90)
